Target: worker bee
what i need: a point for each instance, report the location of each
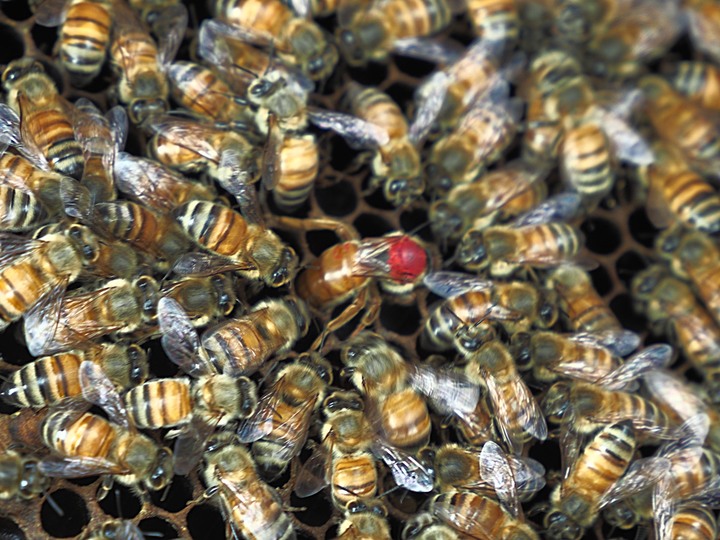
(115, 528)
(101, 139)
(470, 301)
(84, 36)
(35, 119)
(234, 243)
(371, 32)
(577, 500)
(536, 239)
(670, 305)
(21, 477)
(24, 174)
(517, 414)
(691, 521)
(375, 121)
(425, 526)
(364, 519)
(88, 445)
(252, 509)
(20, 209)
(496, 22)
(203, 298)
(245, 343)
(347, 269)
(677, 194)
(50, 379)
(478, 516)
(493, 197)
(279, 427)
(703, 21)
(584, 407)
(140, 63)
(295, 37)
(210, 400)
(696, 80)
(64, 321)
(681, 124)
(156, 187)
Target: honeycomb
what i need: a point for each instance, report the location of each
(619, 236)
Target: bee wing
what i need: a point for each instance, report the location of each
(496, 470)
(653, 357)
(77, 467)
(430, 50)
(529, 474)
(429, 100)
(15, 133)
(664, 506)
(77, 201)
(671, 391)
(271, 154)
(626, 143)
(138, 178)
(570, 444)
(642, 474)
(406, 469)
(94, 133)
(190, 445)
(180, 340)
(560, 207)
(51, 13)
(358, 133)
(619, 342)
(41, 321)
(192, 136)
(450, 284)
(170, 29)
(130, 531)
(237, 179)
(260, 424)
(9, 126)
(14, 247)
(99, 390)
(301, 7)
(207, 264)
(449, 392)
(312, 476)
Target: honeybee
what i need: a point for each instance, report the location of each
(493, 197)
(677, 194)
(703, 21)
(481, 136)
(496, 22)
(245, 343)
(36, 119)
(235, 244)
(21, 477)
(364, 519)
(425, 526)
(690, 521)
(577, 500)
(375, 121)
(279, 428)
(115, 528)
(670, 305)
(252, 509)
(210, 400)
(699, 81)
(31, 268)
(50, 379)
(140, 63)
(479, 517)
(517, 414)
(371, 32)
(536, 239)
(470, 301)
(577, 21)
(202, 298)
(156, 187)
(24, 174)
(681, 124)
(64, 321)
(584, 407)
(20, 209)
(347, 269)
(84, 37)
(101, 139)
(295, 37)
(88, 445)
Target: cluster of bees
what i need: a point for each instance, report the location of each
(530, 113)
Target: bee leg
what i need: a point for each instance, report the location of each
(105, 487)
(372, 309)
(345, 317)
(345, 232)
(359, 162)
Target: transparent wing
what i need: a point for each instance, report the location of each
(449, 392)
(180, 340)
(77, 467)
(41, 321)
(197, 263)
(451, 284)
(407, 470)
(236, 176)
(358, 133)
(192, 136)
(651, 358)
(627, 143)
(51, 13)
(430, 99)
(312, 476)
(170, 29)
(642, 474)
(619, 342)
(673, 392)
(561, 207)
(118, 120)
(496, 470)
(190, 444)
(99, 390)
(430, 50)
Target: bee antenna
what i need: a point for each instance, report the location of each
(165, 492)
(117, 502)
(55, 506)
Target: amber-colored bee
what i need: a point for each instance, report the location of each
(504, 193)
(23, 174)
(114, 528)
(577, 21)
(704, 22)
(203, 298)
(36, 119)
(295, 37)
(425, 526)
(670, 305)
(375, 121)
(690, 521)
(699, 81)
(50, 379)
(364, 519)
(84, 36)
(681, 124)
(470, 301)
(101, 138)
(20, 209)
(65, 321)
(584, 407)
(371, 32)
(140, 63)
(235, 243)
(280, 426)
(479, 517)
(496, 21)
(253, 508)
(20, 477)
(576, 502)
(536, 239)
(347, 269)
(677, 194)
(244, 344)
